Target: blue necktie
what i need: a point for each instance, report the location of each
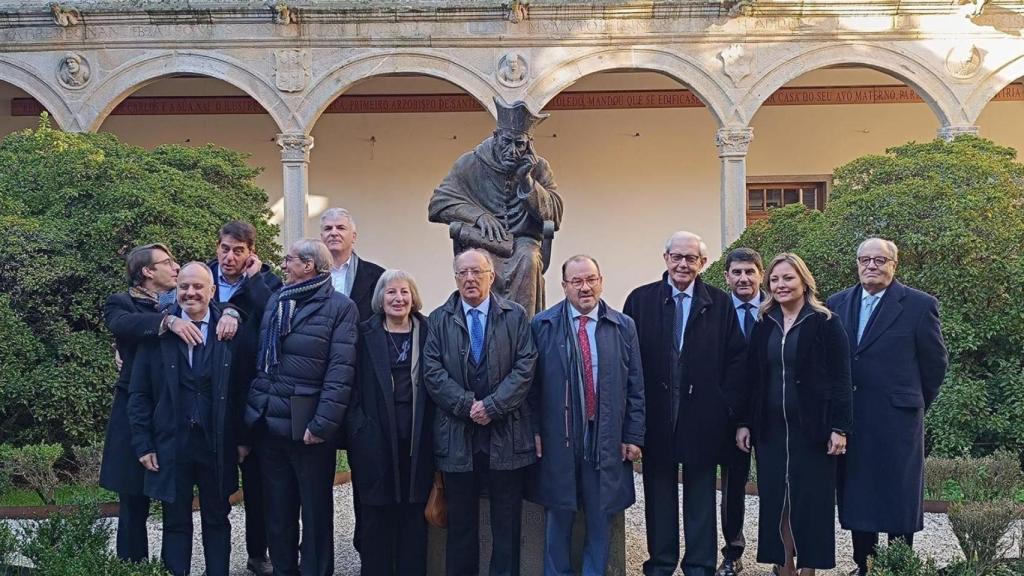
(680, 324)
(476, 335)
(867, 307)
(748, 320)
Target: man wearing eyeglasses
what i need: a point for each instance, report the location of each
(899, 361)
(587, 401)
(693, 353)
(479, 358)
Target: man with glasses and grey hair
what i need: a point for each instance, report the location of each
(478, 361)
(297, 406)
(350, 274)
(899, 361)
(693, 352)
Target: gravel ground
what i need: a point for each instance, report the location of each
(937, 539)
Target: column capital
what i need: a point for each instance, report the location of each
(295, 147)
(733, 141)
(948, 133)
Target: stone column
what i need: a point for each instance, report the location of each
(947, 133)
(732, 145)
(295, 149)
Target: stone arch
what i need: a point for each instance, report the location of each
(324, 90)
(693, 75)
(987, 88)
(915, 73)
(128, 78)
(26, 78)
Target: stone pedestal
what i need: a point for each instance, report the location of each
(532, 543)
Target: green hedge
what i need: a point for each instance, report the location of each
(956, 211)
(71, 207)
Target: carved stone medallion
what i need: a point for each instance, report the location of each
(964, 61)
(512, 70)
(736, 62)
(73, 71)
(291, 70)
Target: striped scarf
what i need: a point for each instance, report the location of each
(281, 323)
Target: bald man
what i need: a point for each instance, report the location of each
(183, 406)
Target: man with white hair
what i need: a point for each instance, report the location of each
(692, 351)
(350, 274)
(899, 361)
(297, 406)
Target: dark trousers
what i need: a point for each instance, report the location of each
(505, 491)
(132, 541)
(734, 498)
(864, 544)
(299, 479)
(357, 529)
(197, 469)
(661, 511)
(394, 540)
(558, 529)
(255, 518)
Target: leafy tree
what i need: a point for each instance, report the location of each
(71, 207)
(956, 211)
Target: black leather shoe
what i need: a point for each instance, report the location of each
(858, 572)
(730, 567)
(260, 566)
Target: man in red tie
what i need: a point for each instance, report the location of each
(587, 401)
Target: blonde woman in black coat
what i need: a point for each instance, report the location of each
(795, 412)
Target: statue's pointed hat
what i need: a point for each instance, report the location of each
(517, 117)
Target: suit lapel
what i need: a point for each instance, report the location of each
(889, 310)
(359, 288)
(850, 314)
(378, 349)
(172, 360)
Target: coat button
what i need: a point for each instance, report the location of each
(856, 357)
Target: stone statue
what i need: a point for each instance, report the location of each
(502, 197)
(512, 70)
(64, 17)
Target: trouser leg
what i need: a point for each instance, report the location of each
(412, 540)
(255, 516)
(864, 544)
(176, 549)
(734, 485)
(505, 491)
(314, 468)
(379, 527)
(661, 513)
(558, 542)
(595, 542)
(700, 530)
(281, 504)
(462, 548)
(213, 514)
(132, 540)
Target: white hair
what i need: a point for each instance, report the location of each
(337, 214)
(684, 235)
(889, 245)
(315, 251)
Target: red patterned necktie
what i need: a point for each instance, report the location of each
(589, 394)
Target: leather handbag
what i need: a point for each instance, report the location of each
(436, 511)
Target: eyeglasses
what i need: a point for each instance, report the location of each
(878, 260)
(472, 273)
(169, 261)
(578, 283)
(288, 259)
(676, 258)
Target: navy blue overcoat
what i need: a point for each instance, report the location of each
(620, 411)
(898, 366)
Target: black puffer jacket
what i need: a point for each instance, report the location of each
(318, 357)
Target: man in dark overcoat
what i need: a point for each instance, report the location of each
(587, 401)
(351, 275)
(478, 359)
(242, 286)
(693, 354)
(134, 317)
(899, 360)
(183, 406)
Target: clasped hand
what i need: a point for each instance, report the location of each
(478, 413)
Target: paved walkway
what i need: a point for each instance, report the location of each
(937, 539)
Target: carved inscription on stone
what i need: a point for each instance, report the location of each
(73, 71)
(291, 69)
(512, 70)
